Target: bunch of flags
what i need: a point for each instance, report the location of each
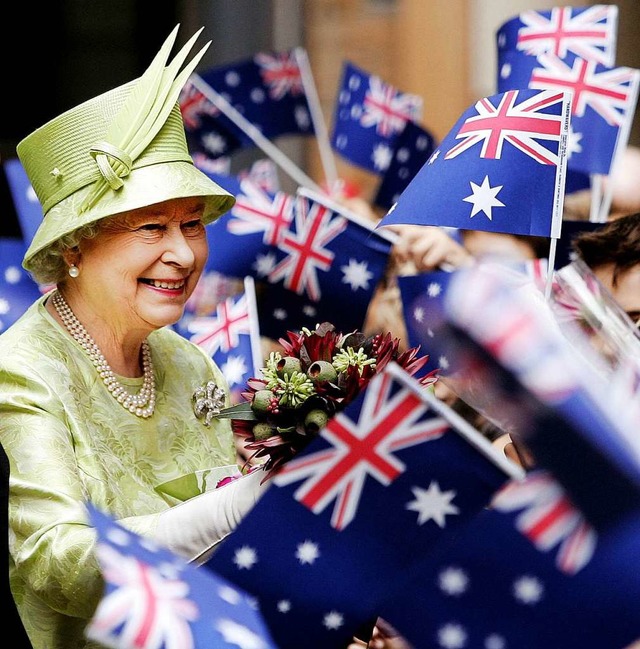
(481, 175)
(400, 510)
(573, 49)
(310, 259)
(266, 89)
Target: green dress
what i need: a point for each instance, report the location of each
(69, 442)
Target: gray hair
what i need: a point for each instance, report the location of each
(48, 266)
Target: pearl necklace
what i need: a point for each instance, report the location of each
(141, 404)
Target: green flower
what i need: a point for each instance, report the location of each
(349, 357)
(270, 370)
(293, 389)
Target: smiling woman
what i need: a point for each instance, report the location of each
(96, 390)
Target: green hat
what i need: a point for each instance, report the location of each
(122, 150)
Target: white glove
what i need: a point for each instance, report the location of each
(194, 527)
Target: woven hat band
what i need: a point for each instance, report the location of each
(69, 145)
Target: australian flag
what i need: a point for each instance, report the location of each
(307, 258)
(480, 176)
(369, 116)
(574, 415)
(155, 599)
(411, 149)
(17, 289)
(231, 336)
(528, 572)
(364, 502)
(575, 55)
(266, 89)
(25, 201)
(421, 297)
(586, 32)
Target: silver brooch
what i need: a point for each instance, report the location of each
(207, 401)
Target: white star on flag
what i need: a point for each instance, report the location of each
(382, 156)
(333, 620)
(418, 314)
(284, 606)
(528, 589)
(214, 144)
(264, 264)
(434, 289)
(237, 634)
(234, 368)
(307, 552)
(432, 504)
(573, 142)
(453, 581)
(356, 274)
(245, 557)
(484, 198)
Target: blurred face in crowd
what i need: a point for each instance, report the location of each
(625, 289)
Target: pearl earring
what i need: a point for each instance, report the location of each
(74, 271)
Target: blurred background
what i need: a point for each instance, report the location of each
(442, 50)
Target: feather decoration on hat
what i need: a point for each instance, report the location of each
(141, 117)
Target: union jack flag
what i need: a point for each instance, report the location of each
(280, 73)
(603, 105)
(547, 517)
(155, 599)
(609, 92)
(266, 89)
(194, 105)
(481, 174)
(262, 173)
(468, 578)
(521, 124)
(390, 456)
(231, 336)
(257, 210)
(306, 248)
(369, 116)
(309, 260)
(361, 448)
(249, 231)
(222, 332)
(587, 32)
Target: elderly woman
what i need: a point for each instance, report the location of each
(100, 401)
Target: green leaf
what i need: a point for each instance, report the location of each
(239, 411)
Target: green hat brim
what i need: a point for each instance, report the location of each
(145, 186)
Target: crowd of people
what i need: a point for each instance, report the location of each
(97, 392)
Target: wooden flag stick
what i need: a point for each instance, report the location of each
(319, 126)
(284, 162)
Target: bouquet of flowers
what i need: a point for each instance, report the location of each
(318, 374)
